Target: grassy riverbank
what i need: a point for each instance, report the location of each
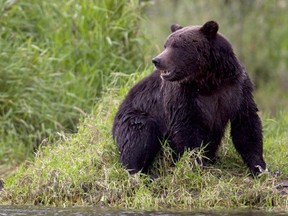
(83, 169)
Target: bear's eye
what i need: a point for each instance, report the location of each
(174, 45)
(164, 46)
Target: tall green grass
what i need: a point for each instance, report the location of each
(55, 59)
(84, 170)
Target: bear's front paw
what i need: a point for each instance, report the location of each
(261, 170)
(258, 170)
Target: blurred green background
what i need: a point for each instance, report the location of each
(58, 56)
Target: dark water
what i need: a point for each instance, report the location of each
(23, 211)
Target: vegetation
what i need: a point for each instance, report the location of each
(55, 58)
(60, 60)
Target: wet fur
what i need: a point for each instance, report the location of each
(194, 108)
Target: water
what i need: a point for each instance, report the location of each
(31, 211)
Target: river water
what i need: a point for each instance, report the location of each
(33, 211)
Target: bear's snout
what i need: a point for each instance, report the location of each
(156, 61)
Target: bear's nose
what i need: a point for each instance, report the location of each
(156, 61)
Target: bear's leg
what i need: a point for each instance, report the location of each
(246, 133)
(212, 148)
(138, 139)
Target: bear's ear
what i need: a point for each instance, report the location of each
(175, 27)
(210, 29)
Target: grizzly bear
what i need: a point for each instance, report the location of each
(197, 88)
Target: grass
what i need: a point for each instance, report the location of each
(55, 59)
(83, 169)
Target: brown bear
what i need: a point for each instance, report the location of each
(197, 88)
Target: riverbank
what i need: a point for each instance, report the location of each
(83, 169)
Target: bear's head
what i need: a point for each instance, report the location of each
(196, 54)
